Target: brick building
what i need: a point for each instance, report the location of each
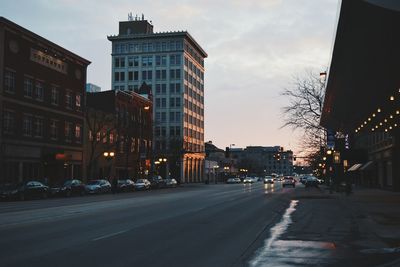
(42, 90)
(118, 123)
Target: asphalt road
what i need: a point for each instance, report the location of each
(199, 225)
(195, 225)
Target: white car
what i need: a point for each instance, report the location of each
(248, 180)
(233, 181)
(268, 180)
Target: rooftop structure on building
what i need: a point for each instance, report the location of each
(92, 88)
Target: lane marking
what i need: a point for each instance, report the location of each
(109, 235)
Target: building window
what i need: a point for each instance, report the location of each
(177, 130)
(53, 129)
(163, 102)
(68, 100)
(78, 133)
(8, 122)
(163, 117)
(98, 136)
(172, 102)
(28, 87)
(38, 127)
(104, 137)
(27, 125)
(177, 101)
(54, 96)
(9, 81)
(78, 101)
(68, 131)
(136, 61)
(111, 138)
(39, 91)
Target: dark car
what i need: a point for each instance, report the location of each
(311, 181)
(157, 182)
(170, 183)
(98, 187)
(289, 181)
(125, 185)
(69, 188)
(25, 190)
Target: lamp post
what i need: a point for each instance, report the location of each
(164, 161)
(109, 155)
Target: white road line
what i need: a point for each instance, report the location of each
(110, 235)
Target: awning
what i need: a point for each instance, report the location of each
(367, 166)
(354, 167)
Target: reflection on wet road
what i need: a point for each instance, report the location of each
(277, 252)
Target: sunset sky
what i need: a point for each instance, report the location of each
(255, 47)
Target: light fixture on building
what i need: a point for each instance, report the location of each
(373, 115)
(386, 130)
(385, 120)
(391, 116)
(379, 110)
(391, 98)
(397, 112)
(373, 129)
(380, 123)
(365, 122)
(376, 126)
(369, 119)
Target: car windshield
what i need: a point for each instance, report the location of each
(68, 182)
(140, 181)
(95, 182)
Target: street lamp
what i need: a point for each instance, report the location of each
(109, 155)
(164, 160)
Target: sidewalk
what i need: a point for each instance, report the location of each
(379, 209)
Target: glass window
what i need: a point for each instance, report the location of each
(54, 129)
(9, 81)
(172, 116)
(38, 127)
(78, 101)
(136, 75)
(27, 125)
(78, 133)
(163, 102)
(68, 99)
(8, 122)
(68, 131)
(172, 102)
(122, 76)
(28, 87)
(54, 96)
(135, 61)
(177, 101)
(39, 91)
(163, 117)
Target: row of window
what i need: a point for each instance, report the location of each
(189, 49)
(162, 131)
(193, 81)
(195, 121)
(192, 93)
(193, 134)
(148, 61)
(35, 89)
(174, 88)
(174, 102)
(135, 144)
(174, 74)
(194, 108)
(189, 65)
(137, 47)
(161, 145)
(33, 126)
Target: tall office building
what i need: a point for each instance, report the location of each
(172, 64)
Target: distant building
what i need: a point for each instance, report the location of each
(259, 160)
(41, 105)
(119, 123)
(172, 64)
(92, 88)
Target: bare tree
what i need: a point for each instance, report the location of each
(303, 113)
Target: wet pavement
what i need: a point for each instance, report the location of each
(320, 229)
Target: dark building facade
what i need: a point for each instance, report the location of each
(120, 125)
(42, 91)
(362, 93)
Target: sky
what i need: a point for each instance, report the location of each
(255, 48)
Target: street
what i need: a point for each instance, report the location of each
(194, 225)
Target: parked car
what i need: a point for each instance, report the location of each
(268, 180)
(311, 181)
(142, 184)
(25, 190)
(98, 186)
(157, 182)
(248, 180)
(170, 182)
(69, 188)
(289, 181)
(125, 185)
(233, 181)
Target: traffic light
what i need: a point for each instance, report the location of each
(227, 152)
